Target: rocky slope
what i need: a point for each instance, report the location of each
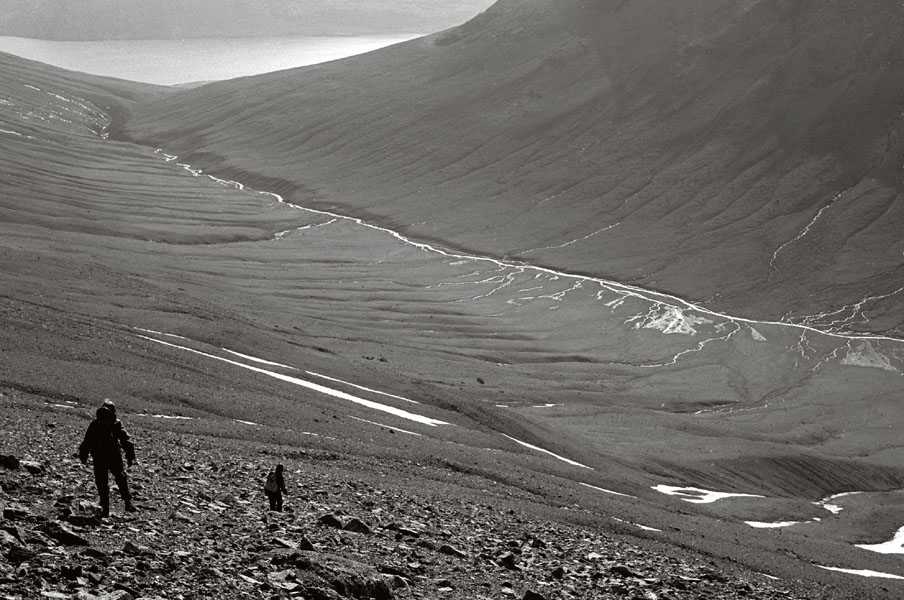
(203, 531)
(746, 154)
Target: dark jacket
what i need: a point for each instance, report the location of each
(280, 483)
(103, 440)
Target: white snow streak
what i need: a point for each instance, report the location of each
(360, 387)
(258, 360)
(572, 242)
(313, 386)
(387, 426)
(556, 456)
(862, 572)
(605, 491)
(804, 231)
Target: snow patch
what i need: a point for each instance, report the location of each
(862, 572)
(669, 319)
(895, 546)
(698, 496)
(864, 355)
(779, 525)
(756, 335)
(826, 503)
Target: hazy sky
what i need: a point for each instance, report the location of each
(158, 19)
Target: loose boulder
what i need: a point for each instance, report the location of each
(358, 526)
(346, 577)
(9, 462)
(331, 520)
(63, 534)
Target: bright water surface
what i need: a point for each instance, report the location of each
(171, 62)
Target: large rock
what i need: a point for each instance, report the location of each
(33, 467)
(81, 513)
(9, 462)
(19, 554)
(357, 526)
(134, 549)
(509, 561)
(624, 571)
(63, 534)
(346, 577)
(15, 512)
(331, 520)
(452, 551)
(7, 539)
(13, 531)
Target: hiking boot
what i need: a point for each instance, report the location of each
(103, 513)
(130, 507)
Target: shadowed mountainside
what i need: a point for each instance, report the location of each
(744, 153)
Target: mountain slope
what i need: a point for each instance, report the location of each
(206, 308)
(747, 152)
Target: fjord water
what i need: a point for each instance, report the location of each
(173, 62)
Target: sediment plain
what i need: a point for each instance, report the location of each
(255, 302)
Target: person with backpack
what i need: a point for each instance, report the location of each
(275, 487)
(104, 440)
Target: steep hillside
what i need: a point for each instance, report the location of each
(171, 19)
(347, 533)
(745, 153)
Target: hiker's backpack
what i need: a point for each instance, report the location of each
(271, 485)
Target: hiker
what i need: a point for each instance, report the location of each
(275, 487)
(103, 439)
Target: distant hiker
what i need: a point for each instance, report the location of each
(103, 439)
(275, 487)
